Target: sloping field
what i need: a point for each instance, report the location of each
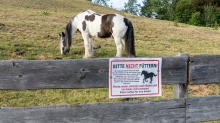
(29, 30)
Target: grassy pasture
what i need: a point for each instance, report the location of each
(29, 30)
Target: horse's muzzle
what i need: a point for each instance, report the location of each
(65, 51)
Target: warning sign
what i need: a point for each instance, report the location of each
(134, 77)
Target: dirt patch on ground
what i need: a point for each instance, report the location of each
(204, 90)
(2, 26)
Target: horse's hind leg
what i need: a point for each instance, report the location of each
(118, 46)
(151, 80)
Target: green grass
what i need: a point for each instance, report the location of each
(29, 30)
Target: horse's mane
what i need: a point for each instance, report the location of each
(68, 32)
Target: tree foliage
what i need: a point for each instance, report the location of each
(156, 8)
(209, 14)
(131, 7)
(146, 9)
(184, 10)
(196, 19)
(101, 2)
(195, 12)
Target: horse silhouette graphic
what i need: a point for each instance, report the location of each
(148, 75)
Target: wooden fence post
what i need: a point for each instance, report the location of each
(181, 90)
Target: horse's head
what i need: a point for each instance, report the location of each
(64, 47)
(66, 39)
(144, 72)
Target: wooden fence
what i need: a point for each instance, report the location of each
(93, 73)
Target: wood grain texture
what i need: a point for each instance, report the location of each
(200, 109)
(168, 111)
(35, 74)
(80, 73)
(174, 70)
(205, 69)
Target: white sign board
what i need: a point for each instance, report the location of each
(134, 77)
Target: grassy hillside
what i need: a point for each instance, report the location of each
(29, 30)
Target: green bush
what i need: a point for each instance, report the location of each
(216, 25)
(195, 19)
(184, 10)
(176, 23)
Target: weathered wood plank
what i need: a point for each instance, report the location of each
(174, 70)
(169, 111)
(80, 73)
(205, 69)
(37, 74)
(202, 109)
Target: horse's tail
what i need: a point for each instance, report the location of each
(129, 39)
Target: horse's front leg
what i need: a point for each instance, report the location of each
(87, 45)
(90, 46)
(118, 46)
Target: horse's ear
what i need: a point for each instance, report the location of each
(59, 34)
(63, 34)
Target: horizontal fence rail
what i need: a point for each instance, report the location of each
(202, 109)
(75, 74)
(179, 70)
(205, 69)
(171, 111)
(188, 110)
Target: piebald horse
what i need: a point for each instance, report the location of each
(91, 24)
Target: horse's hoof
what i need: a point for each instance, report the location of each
(85, 57)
